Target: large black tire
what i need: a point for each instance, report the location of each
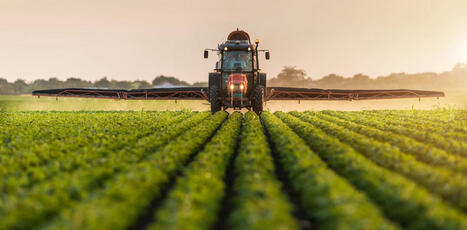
(262, 79)
(214, 99)
(257, 99)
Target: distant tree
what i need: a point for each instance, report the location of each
(291, 76)
(40, 84)
(393, 80)
(359, 81)
(77, 83)
(6, 87)
(161, 80)
(103, 83)
(291, 73)
(330, 81)
(55, 83)
(20, 86)
(141, 85)
(121, 84)
(331, 78)
(361, 77)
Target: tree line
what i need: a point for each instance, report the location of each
(22, 87)
(453, 79)
(289, 77)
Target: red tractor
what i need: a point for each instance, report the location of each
(238, 64)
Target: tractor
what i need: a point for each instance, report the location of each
(237, 81)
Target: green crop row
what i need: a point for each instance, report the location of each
(449, 130)
(401, 200)
(195, 201)
(24, 139)
(46, 198)
(449, 121)
(451, 146)
(26, 130)
(90, 156)
(450, 186)
(43, 200)
(82, 151)
(437, 117)
(446, 118)
(422, 152)
(328, 199)
(27, 143)
(123, 199)
(258, 201)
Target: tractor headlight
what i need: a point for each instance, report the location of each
(231, 87)
(241, 86)
(225, 48)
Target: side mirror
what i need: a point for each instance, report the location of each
(267, 55)
(217, 65)
(206, 54)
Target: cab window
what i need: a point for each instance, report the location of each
(233, 60)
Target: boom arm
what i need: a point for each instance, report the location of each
(178, 93)
(286, 93)
(271, 93)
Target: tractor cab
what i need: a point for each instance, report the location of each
(237, 82)
(237, 68)
(235, 59)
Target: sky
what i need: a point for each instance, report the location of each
(138, 40)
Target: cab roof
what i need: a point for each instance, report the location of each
(239, 35)
(237, 40)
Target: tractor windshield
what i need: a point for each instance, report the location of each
(233, 60)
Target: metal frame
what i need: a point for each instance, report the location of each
(86, 93)
(272, 93)
(166, 95)
(145, 94)
(281, 93)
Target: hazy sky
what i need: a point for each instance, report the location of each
(142, 39)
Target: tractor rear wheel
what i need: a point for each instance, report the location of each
(214, 99)
(257, 99)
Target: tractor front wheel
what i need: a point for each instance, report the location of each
(214, 99)
(257, 99)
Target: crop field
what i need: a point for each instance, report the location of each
(374, 169)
